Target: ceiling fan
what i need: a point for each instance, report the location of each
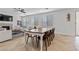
(20, 10)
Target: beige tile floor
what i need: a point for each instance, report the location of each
(60, 43)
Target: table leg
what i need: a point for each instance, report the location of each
(41, 43)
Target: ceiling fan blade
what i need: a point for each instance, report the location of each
(19, 9)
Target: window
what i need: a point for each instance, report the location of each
(37, 20)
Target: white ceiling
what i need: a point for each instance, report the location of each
(39, 10)
(36, 9)
(30, 10)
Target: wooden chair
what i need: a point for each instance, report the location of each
(32, 37)
(51, 36)
(52, 33)
(48, 38)
(45, 40)
(28, 36)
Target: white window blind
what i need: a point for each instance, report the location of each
(38, 20)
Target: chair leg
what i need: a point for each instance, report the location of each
(32, 40)
(37, 41)
(27, 40)
(48, 41)
(51, 37)
(46, 44)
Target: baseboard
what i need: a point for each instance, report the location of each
(65, 34)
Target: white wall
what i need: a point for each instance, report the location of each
(62, 26)
(59, 20)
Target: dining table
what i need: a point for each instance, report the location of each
(39, 32)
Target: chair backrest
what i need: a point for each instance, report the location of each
(48, 33)
(53, 30)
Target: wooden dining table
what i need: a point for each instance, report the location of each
(38, 32)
